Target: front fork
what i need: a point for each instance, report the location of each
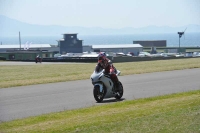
(100, 87)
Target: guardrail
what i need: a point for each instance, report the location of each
(94, 59)
(136, 59)
(70, 59)
(2, 58)
(114, 59)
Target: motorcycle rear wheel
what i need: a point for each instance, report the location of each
(97, 94)
(120, 92)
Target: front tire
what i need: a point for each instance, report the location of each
(120, 92)
(97, 94)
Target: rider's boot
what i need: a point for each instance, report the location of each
(117, 86)
(116, 82)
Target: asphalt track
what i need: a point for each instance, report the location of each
(25, 101)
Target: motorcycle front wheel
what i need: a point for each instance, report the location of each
(97, 94)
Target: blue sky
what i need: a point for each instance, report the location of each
(103, 13)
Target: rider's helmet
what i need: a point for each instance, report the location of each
(104, 53)
(102, 59)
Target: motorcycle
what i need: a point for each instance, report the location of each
(104, 87)
(38, 59)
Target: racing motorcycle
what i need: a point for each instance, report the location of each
(104, 87)
(38, 59)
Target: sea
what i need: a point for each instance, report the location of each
(187, 40)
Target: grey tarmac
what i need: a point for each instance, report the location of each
(33, 100)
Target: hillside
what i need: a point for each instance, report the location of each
(11, 27)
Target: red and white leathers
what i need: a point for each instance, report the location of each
(105, 63)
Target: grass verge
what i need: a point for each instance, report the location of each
(11, 76)
(165, 114)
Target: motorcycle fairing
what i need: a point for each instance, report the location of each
(104, 82)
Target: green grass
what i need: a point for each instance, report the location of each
(175, 113)
(11, 76)
(179, 113)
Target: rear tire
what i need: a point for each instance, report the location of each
(97, 94)
(120, 92)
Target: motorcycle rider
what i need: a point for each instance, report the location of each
(38, 58)
(105, 63)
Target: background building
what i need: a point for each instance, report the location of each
(70, 44)
(87, 48)
(26, 52)
(24, 47)
(151, 43)
(119, 48)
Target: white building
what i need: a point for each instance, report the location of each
(119, 48)
(115, 48)
(4, 48)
